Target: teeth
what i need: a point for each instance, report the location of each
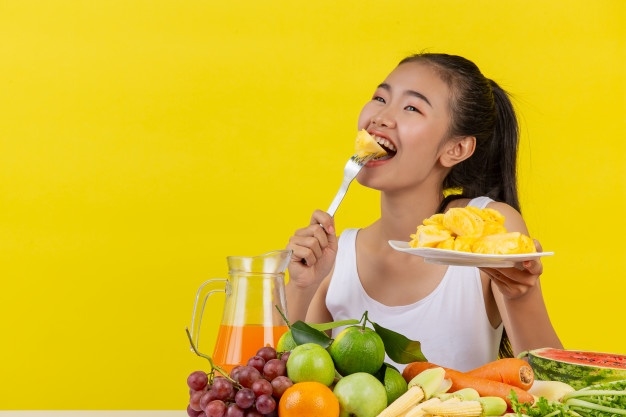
(384, 142)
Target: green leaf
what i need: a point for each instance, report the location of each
(400, 348)
(333, 324)
(303, 333)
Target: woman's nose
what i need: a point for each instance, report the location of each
(383, 119)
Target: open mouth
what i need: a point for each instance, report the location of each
(389, 147)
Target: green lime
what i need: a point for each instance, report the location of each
(286, 342)
(357, 349)
(395, 384)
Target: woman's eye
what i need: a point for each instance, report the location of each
(378, 98)
(412, 108)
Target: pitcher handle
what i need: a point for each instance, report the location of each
(206, 289)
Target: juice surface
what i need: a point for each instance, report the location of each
(236, 344)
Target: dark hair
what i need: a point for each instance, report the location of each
(479, 108)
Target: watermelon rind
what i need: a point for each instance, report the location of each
(548, 368)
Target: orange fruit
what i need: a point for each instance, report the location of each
(357, 349)
(308, 399)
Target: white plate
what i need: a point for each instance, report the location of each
(453, 257)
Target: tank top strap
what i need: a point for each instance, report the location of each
(480, 202)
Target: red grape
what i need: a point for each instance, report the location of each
(194, 400)
(215, 408)
(234, 373)
(262, 386)
(265, 404)
(256, 362)
(208, 396)
(224, 389)
(280, 385)
(197, 380)
(248, 375)
(252, 412)
(274, 368)
(267, 353)
(245, 398)
(233, 410)
(192, 413)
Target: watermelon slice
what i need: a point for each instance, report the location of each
(576, 367)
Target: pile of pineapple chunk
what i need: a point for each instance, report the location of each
(470, 229)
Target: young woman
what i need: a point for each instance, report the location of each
(446, 127)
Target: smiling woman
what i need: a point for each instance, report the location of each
(453, 128)
(143, 142)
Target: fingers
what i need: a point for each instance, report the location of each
(309, 244)
(323, 219)
(518, 280)
(533, 267)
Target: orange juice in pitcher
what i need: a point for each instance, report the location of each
(251, 318)
(236, 344)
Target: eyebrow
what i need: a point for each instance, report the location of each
(411, 93)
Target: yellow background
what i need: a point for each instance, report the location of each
(142, 142)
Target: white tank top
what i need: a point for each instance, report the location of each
(451, 323)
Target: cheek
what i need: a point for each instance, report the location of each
(365, 117)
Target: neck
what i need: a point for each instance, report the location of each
(401, 213)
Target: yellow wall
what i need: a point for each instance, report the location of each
(142, 142)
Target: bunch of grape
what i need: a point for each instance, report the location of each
(250, 390)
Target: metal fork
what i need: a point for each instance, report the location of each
(350, 171)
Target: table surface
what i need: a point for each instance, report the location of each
(93, 413)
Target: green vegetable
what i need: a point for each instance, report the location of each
(601, 400)
(541, 408)
(607, 399)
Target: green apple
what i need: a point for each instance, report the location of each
(360, 395)
(310, 362)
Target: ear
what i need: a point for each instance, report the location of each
(457, 150)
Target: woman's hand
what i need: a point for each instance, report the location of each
(314, 250)
(517, 281)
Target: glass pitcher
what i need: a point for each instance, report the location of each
(255, 290)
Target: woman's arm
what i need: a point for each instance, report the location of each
(526, 320)
(518, 294)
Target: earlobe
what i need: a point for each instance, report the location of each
(458, 150)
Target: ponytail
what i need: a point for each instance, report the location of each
(504, 144)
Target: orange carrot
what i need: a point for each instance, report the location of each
(512, 371)
(484, 387)
(414, 368)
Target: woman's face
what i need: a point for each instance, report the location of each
(410, 110)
